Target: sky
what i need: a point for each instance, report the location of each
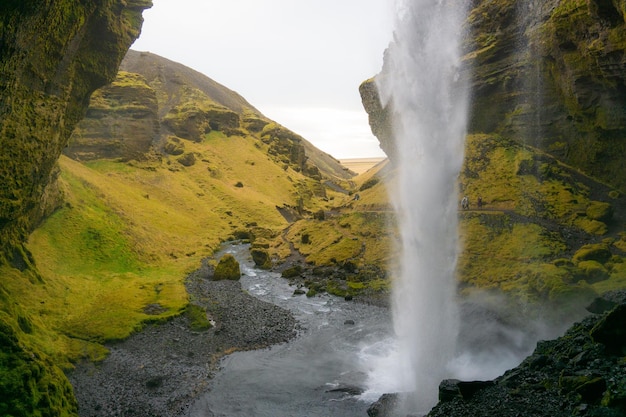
(300, 62)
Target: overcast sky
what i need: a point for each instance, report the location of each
(300, 62)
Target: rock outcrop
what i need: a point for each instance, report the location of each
(53, 56)
(155, 103)
(550, 74)
(580, 373)
(121, 122)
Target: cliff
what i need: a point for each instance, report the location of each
(544, 151)
(549, 74)
(158, 105)
(54, 55)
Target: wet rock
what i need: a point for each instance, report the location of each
(449, 389)
(611, 331)
(384, 407)
(580, 373)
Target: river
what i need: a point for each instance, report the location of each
(322, 372)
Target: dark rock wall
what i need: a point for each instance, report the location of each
(53, 55)
(551, 74)
(122, 122)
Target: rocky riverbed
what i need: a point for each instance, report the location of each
(162, 369)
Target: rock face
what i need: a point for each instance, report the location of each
(121, 122)
(155, 103)
(552, 73)
(53, 55)
(581, 373)
(548, 73)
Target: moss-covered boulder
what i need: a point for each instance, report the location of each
(593, 271)
(292, 271)
(187, 159)
(598, 252)
(261, 258)
(227, 268)
(599, 210)
(197, 317)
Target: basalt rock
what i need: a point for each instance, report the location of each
(580, 373)
(548, 73)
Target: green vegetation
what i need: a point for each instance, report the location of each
(119, 237)
(227, 268)
(522, 241)
(197, 317)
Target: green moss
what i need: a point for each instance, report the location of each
(227, 268)
(598, 210)
(30, 384)
(593, 227)
(197, 317)
(593, 252)
(593, 271)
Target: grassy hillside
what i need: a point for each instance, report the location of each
(116, 254)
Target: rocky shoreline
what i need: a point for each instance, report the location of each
(162, 369)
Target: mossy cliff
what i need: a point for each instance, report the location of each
(545, 156)
(121, 121)
(53, 55)
(549, 176)
(549, 73)
(159, 105)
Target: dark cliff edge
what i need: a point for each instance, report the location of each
(53, 55)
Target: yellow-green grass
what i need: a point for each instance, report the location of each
(502, 250)
(495, 249)
(129, 234)
(361, 237)
(501, 172)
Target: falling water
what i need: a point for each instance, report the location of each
(421, 83)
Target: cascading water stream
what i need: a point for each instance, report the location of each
(429, 101)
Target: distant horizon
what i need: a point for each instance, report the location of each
(299, 64)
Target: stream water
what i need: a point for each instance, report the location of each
(320, 373)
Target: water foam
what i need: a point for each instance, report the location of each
(429, 100)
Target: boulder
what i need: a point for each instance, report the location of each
(611, 331)
(384, 407)
(261, 258)
(227, 268)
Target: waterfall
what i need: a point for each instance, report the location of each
(421, 83)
